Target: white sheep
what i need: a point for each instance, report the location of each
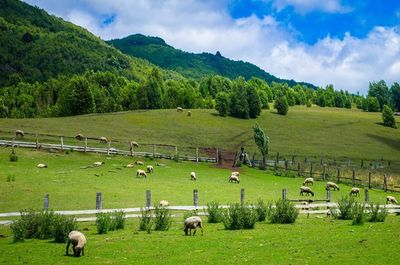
(141, 173)
(19, 133)
(78, 241)
(150, 169)
(129, 166)
(134, 144)
(79, 137)
(306, 190)
(391, 199)
(333, 185)
(139, 163)
(179, 109)
(98, 163)
(41, 165)
(192, 223)
(103, 140)
(355, 191)
(234, 178)
(163, 203)
(308, 181)
(235, 173)
(193, 176)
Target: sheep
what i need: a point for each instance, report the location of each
(235, 173)
(163, 203)
(355, 191)
(79, 137)
(234, 178)
(306, 190)
(192, 223)
(179, 109)
(78, 241)
(150, 169)
(98, 163)
(139, 163)
(103, 140)
(333, 185)
(19, 133)
(193, 176)
(41, 165)
(308, 181)
(129, 166)
(134, 144)
(141, 173)
(391, 199)
(189, 113)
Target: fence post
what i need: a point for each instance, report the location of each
(298, 169)
(362, 163)
(154, 151)
(217, 156)
(46, 202)
(176, 150)
(98, 201)
(385, 183)
(108, 147)
(195, 198)
(286, 164)
(284, 191)
(277, 157)
(131, 148)
(311, 166)
(148, 199)
(305, 160)
(242, 197)
(37, 142)
(197, 154)
(85, 145)
(324, 173)
(389, 163)
(366, 196)
(353, 178)
(338, 176)
(293, 156)
(62, 142)
(369, 180)
(328, 195)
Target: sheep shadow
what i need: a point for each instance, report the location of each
(385, 140)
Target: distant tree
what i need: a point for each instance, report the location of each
(380, 91)
(222, 104)
(153, 87)
(262, 142)
(388, 117)
(281, 105)
(254, 102)
(239, 107)
(372, 104)
(395, 94)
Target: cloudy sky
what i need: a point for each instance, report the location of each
(340, 42)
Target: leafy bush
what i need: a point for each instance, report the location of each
(162, 218)
(281, 105)
(377, 213)
(345, 205)
(237, 217)
(62, 226)
(103, 222)
(262, 209)
(118, 220)
(13, 156)
(358, 213)
(388, 117)
(145, 221)
(284, 212)
(214, 212)
(18, 230)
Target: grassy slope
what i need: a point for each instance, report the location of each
(304, 131)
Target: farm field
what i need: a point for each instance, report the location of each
(322, 132)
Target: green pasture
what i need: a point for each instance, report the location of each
(328, 132)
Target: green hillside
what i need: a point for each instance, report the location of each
(189, 64)
(35, 46)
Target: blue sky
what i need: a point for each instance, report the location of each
(344, 43)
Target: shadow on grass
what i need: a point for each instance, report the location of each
(385, 140)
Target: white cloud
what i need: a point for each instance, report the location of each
(205, 26)
(306, 6)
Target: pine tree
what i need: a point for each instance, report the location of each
(388, 117)
(281, 105)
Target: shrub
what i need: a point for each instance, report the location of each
(388, 117)
(284, 212)
(45, 224)
(214, 212)
(103, 222)
(281, 105)
(262, 209)
(344, 212)
(118, 220)
(13, 156)
(62, 226)
(237, 217)
(145, 221)
(377, 213)
(162, 218)
(358, 213)
(18, 230)
(309, 103)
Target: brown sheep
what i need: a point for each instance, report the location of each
(192, 223)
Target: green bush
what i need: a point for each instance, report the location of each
(103, 222)
(358, 213)
(284, 212)
(118, 220)
(281, 105)
(262, 209)
(214, 212)
(377, 213)
(237, 217)
(162, 218)
(13, 157)
(62, 226)
(45, 224)
(145, 221)
(388, 117)
(18, 230)
(345, 205)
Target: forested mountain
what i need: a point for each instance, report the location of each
(192, 65)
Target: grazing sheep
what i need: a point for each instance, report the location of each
(134, 144)
(306, 190)
(235, 173)
(41, 165)
(79, 137)
(355, 191)
(78, 241)
(308, 181)
(333, 185)
(179, 109)
(391, 199)
(19, 133)
(141, 173)
(192, 223)
(103, 140)
(150, 169)
(98, 163)
(189, 113)
(234, 178)
(193, 176)
(163, 203)
(139, 163)
(129, 166)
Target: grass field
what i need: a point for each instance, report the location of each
(315, 131)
